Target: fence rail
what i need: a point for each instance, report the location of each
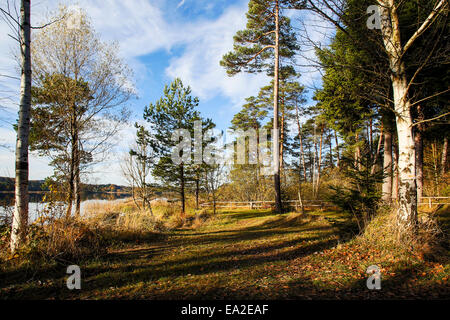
(267, 204)
(429, 201)
(307, 203)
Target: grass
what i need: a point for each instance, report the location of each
(242, 254)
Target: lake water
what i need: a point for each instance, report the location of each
(36, 205)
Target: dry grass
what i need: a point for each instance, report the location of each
(247, 254)
(53, 240)
(103, 223)
(425, 242)
(125, 218)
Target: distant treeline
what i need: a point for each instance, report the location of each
(7, 184)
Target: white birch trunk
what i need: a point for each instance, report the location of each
(387, 165)
(20, 217)
(444, 156)
(407, 193)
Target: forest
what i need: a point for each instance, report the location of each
(336, 189)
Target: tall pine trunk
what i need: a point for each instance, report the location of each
(197, 191)
(70, 188)
(72, 164)
(20, 217)
(387, 166)
(357, 162)
(377, 153)
(282, 141)
(314, 168)
(77, 182)
(300, 137)
(182, 195)
(330, 144)
(257, 169)
(444, 156)
(276, 144)
(435, 156)
(396, 175)
(338, 156)
(418, 141)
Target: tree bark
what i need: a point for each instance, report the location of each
(197, 190)
(72, 164)
(314, 173)
(70, 186)
(407, 190)
(257, 169)
(183, 204)
(444, 156)
(282, 140)
(319, 163)
(300, 137)
(300, 199)
(77, 191)
(370, 134)
(20, 217)
(435, 155)
(338, 156)
(418, 141)
(377, 154)
(331, 151)
(396, 175)
(357, 153)
(77, 184)
(387, 166)
(276, 143)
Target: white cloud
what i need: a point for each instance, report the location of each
(141, 27)
(199, 65)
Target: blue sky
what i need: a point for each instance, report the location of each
(159, 40)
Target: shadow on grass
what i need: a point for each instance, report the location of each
(132, 267)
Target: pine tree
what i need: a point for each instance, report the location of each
(172, 112)
(259, 48)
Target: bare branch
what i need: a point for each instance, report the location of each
(432, 119)
(426, 24)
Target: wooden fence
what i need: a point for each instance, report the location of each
(268, 204)
(430, 201)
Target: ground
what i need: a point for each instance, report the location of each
(246, 254)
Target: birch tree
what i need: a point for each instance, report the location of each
(23, 36)
(396, 50)
(79, 95)
(407, 57)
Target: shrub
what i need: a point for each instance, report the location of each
(383, 232)
(362, 197)
(56, 240)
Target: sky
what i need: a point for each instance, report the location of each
(160, 40)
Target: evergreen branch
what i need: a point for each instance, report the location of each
(259, 52)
